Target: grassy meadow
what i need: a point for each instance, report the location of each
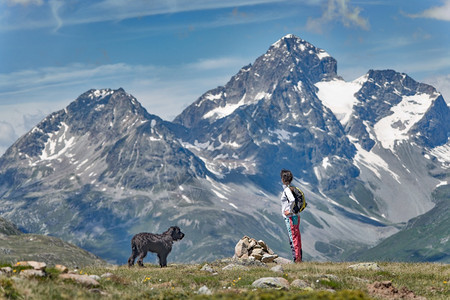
(183, 281)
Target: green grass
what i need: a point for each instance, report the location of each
(182, 281)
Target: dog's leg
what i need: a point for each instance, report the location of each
(163, 259)
(134, 253)
(141, 258)
(132, 258)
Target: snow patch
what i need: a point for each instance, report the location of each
(323, 54)
(339, 96)
(408, 112)
(326, 163)
(373, 162)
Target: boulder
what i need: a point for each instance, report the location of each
(301, 284)
(251, 249)
(271, 282)
(81, 279)
(242, 247)
(32, 273)
(34, 264)
(62, 268)
(6, 270)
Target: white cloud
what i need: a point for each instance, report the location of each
(24, 2)
(7, 133)
(340, 11)
(436, 12)
(442, 84)
(57, 13)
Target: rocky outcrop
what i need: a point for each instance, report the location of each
(249, 248)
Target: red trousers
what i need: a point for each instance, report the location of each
(295, 239)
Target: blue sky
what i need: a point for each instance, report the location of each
(168, 53)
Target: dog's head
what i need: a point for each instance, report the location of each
(176, 233)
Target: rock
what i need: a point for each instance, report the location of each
(365, 266)
(207, 268)
(271, 282)
(235, 267)
(268, 258)
(283, 261)
(98, 291)
(95, 277)
(249, 248)
(32, 273)
(329, 277)
(263, 245)
(277, 269)
(204, 291)
(61, 268)
(241, 247)
(257, 253)
(301, 284)
(34, 264)
(81, 279)
(106, 275)
(6, 270)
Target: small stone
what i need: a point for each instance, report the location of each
(204, 291)
(95, 277)
(6, 270)
(34, 264)
(207, 268)
(271, 282)
(330, 277)
(81, 279)
(283, 261)
(263, 245)
(365, 266)
(106, 275)
(277, 269)
(62, 268)
(32, 273)
(235, 267)
(301, 284)
(267, 258)
(257, 253)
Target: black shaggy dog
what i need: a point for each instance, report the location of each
(161, 244)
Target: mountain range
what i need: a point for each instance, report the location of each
(371, 155)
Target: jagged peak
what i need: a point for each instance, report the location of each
(299, 45)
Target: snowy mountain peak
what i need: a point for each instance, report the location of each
(289, 61)
(293, 44)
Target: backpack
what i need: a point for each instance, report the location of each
(300, 202)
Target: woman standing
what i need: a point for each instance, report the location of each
(292, 220)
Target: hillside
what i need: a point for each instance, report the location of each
(17, 246)
(227, 280)
(425, 238)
